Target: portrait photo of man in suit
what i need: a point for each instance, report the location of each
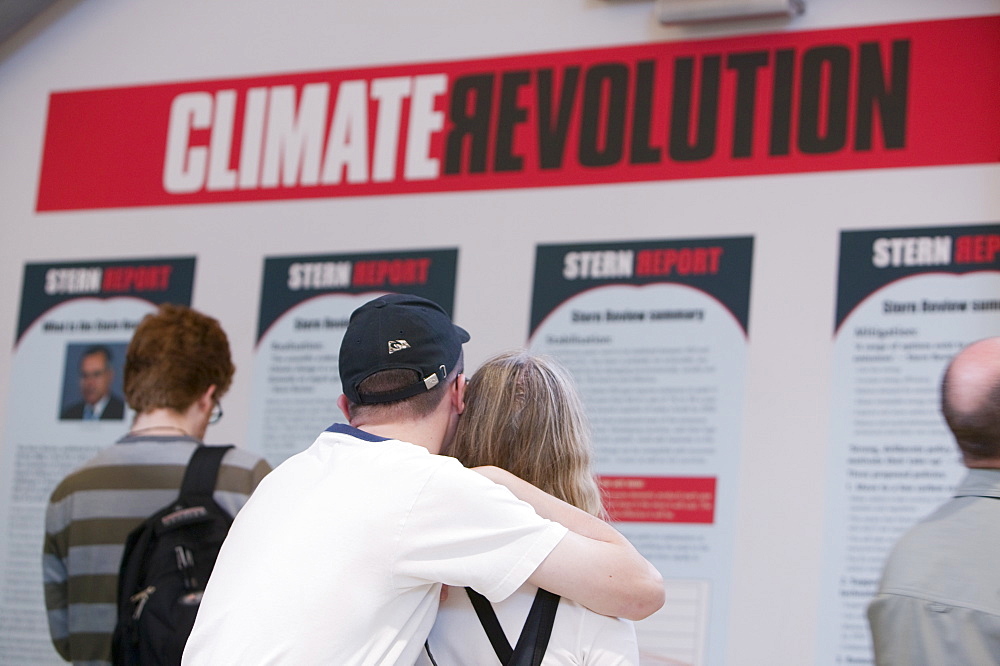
(96, 378)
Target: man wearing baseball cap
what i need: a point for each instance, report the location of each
(339, 556)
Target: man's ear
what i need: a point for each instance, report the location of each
(345, 406)
(458, 393)
(207, 399)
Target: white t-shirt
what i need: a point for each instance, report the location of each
(338, 556)
(579, 636)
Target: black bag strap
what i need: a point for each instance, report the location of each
(535, 634)
(202, 471)
(534, 638)
(488, 618)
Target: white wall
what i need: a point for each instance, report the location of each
(795, 221)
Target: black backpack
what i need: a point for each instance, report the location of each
(165, 567)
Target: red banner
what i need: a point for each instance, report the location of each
(885, 96)
(659, 499)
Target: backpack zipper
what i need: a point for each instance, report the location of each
(140, 598)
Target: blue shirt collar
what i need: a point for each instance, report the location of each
(344, 429)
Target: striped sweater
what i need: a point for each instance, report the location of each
(89, 516)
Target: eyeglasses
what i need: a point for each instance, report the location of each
(216, 414)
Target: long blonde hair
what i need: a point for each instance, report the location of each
(523, 414)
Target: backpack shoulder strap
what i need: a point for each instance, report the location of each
(535, 634)
(488, 618)
(534, 638)
(203, 470)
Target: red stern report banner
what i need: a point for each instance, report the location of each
(659, 499)
(885, 96)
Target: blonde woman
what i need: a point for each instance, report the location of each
(523, 414)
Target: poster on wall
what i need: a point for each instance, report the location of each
(305, 305)
(66, 402)
(655, 335)
(907, 301)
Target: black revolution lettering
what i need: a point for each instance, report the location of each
(605, 96)
(810, 101)
(783, 88)
(891, 99)
(746, 66)
(510, 115)
(471, 102)
(642, 115)
(552, 131)
(826, 75)
(681, 148)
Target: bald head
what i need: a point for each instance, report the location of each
(970, 402)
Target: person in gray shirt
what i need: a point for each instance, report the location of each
(939, 597)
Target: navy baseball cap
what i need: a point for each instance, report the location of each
(399, 331)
